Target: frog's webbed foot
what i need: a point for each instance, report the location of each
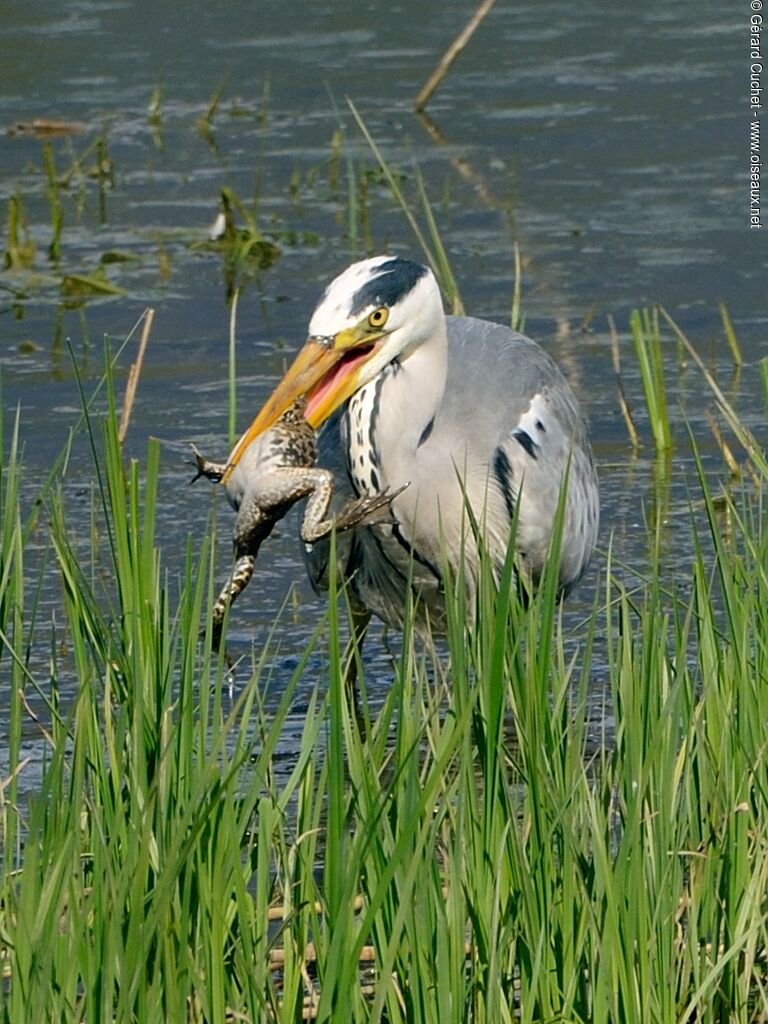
(368, 510)
(217, 632)
(210, 470)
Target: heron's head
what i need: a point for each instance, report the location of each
(372, 313)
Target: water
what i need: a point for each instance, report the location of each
(613, 150)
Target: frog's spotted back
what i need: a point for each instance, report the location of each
(292, 440)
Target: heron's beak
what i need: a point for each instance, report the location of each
(327, 371)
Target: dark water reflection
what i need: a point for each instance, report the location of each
(612, 149)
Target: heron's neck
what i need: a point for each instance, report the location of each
(391, 416)
(409, 396)
(417, 387)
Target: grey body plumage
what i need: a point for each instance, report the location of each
(504, 432)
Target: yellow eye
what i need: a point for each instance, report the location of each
(378, 317)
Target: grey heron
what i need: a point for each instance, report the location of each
(457, 411)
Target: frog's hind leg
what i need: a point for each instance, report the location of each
(238, 580)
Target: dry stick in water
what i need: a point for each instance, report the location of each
(463, 167)
(451, 54)
(133, 376)
(725, 448)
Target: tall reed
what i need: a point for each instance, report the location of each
(644, 327)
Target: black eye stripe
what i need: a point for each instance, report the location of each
(390, 282)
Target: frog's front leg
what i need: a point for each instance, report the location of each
(319, 488)
(367, 510)
(211, 470)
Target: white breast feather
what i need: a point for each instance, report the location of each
(362, 467)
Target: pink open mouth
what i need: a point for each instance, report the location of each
(333, 379)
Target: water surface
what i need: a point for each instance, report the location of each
(611, 148)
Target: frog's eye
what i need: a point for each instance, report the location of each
(378, 317)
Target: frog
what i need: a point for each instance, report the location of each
(277, 469)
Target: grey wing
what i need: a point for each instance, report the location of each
(493, 373)
(535, 432)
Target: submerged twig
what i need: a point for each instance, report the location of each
(451, 54)
(44, 126)
(463, 167)
(725, 448)
(133, 376)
